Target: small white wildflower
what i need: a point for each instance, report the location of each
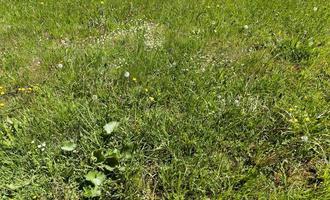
(32, 142)
(304, 138)
(315, 9)
(42, 149)
(94, 97)
(246, 27)
(43, 144)
(39, 146)
(126, 74)
(60, 65)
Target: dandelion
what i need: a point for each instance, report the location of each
(146, 90)
(304, 138)
(134, 79)
(21, 89)
(126, 74)
(315, 9)
(60, 65)
(102, 2)
(94, 97)
(2, 104)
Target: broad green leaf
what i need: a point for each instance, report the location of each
(92, 192)
(112, 158)
(98, 155)
(110, 127)
(68, 146)
(112, 161)
(95, 177)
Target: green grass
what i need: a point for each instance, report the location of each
(224, 99)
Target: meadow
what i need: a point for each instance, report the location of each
(151, 99)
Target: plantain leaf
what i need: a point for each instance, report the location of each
(69, 146)
(95, 177)
(110, 127)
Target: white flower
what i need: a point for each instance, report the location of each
(60, 65)
(43, 149)
(94, 97)
(246, 27)
(32, 142)
(126, 74)
(315, 9)
(304, 138)
(39, 146)
(43, 144)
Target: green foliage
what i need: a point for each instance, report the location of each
(110, 127)
(68, 146)
(150, 99)
(95, 177)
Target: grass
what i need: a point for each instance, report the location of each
(222, 99)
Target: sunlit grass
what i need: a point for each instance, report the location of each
(164, 99)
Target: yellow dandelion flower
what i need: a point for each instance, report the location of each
(134, 79)
(2, 104)
(146, 90)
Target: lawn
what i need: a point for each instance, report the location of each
(174, 99)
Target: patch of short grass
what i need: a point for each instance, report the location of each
(211, 99)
